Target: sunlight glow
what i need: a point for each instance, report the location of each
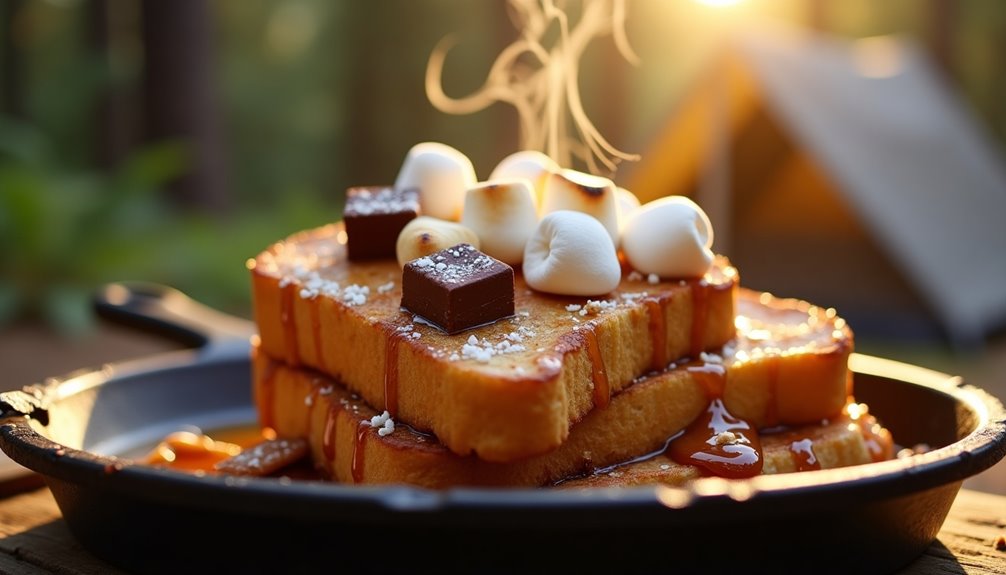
(878, 57)
(719, 3)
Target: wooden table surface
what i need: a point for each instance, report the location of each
(34, 539)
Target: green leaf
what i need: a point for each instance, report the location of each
(152, 166)
(22, 213)
(21, 142)
(69, 309)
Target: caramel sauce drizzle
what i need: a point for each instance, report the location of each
(187, 451)
(700, 313)
(602, 388)
(391, 373)
(316, 332)
(702, 445)
(803, 454)
(711, 376)
(289, 321)
(312, 399)
(717, 442)
(328, 442)
(359, 447)
(658, 333)
(268, 391)
(328, 436)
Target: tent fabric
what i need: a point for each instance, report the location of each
(913, 165)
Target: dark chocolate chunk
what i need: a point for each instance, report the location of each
(458, 288)
(374, 216)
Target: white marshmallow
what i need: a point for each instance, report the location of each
(594, 195)
(442, 175)
(627, 203)
(503, 214)
(425, 235)
(670, 237)
(530, 164)
(570, 253)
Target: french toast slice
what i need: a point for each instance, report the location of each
(842, 441)
(830, 444)
(783, 347)
(504, 391)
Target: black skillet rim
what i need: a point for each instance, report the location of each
(461, 507)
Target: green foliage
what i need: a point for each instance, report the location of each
(205, 257)
(67, 229)
(282, 102)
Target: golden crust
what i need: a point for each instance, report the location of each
(783, 345)
(549, 366)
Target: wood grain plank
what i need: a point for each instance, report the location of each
(966, 542)
(34, 539)
(10, 565)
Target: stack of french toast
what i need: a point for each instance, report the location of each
(540, 328)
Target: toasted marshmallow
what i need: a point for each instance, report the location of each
(670, 237)
(627, 203)
(425, 235)
(442, 175)
(594, 195)
(529, 164)
(503, 214)
(570, 253)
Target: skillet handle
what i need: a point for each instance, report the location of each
(23, 404)
(166, 311)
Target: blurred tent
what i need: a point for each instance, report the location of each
(847, 173)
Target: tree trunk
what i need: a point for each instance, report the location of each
(117, 128)
(11, 74)
(180, 97)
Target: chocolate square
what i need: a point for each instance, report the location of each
(374, 216)
(458, 288)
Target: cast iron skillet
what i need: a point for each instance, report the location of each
(866, 519)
